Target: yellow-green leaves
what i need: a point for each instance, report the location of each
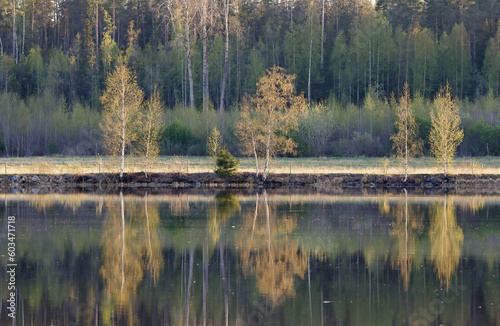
(446, 133)
(270, 115)
(150, 122)
(405, 141)
(121, 100)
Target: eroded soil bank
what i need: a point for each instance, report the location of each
(48, 183)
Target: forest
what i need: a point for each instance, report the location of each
(351, 59)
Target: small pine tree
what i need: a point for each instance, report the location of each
(227, 165)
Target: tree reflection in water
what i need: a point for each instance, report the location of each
(215, 266)
(446, 238)
(407, 226)
(267, 253)
(128, 248)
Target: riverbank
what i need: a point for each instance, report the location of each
(37, 182)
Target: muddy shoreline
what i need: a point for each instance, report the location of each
(111, 182)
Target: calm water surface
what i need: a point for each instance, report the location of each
(259, 258)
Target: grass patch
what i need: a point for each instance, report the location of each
(200, 164)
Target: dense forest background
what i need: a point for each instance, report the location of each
(351, 58)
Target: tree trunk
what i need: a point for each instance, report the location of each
(148, 143)
(97, 33)
(406, 139)
(123, 129)
(425, 66)
(224, 284)
(226, 56)
(33, 23)
(322, 29)
(14, 38)
(205, 283)
(205, 60)
(122, 210)
(309, 73)
(190, 280)
(24, 26)
(114, 20)
(255, 154)
(268, 145)
(188, 57)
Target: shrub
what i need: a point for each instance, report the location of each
(53, 148)
(176, 137)
(226, 164)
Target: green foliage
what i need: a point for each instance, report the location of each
(53, 148)
(176, 137)
(369, 53)
(227, 205)
(446, 133)
(34, 66)
(491, 66)
(150, 125)
(483, 138)
(405, 141)
(227, 165)
(423, 133)
(214, 142)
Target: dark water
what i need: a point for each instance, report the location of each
(252, 259)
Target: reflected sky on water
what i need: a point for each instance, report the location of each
(254, 258)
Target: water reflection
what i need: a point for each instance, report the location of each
(127, 249)
(446, 239)
(267, 253)
(407, 227)
(253, 259)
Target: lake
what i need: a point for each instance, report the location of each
(275, 257)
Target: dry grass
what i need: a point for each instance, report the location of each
(194, 164)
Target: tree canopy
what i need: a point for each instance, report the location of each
(270, 115)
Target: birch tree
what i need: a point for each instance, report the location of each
(204, 27)
(214, 144)
(405, 142)
(150, 124)
(121, 101)
(226, 54)
(446, 133)
(271, 114)
(248, 133)
(181, 15)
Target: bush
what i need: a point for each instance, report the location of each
(482, 139)
(176, 137)
(53, 148)
(227, 165)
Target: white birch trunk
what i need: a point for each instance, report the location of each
(14, 38)
(123, 128)
(205, 60)
(226, 56)
(268, 145)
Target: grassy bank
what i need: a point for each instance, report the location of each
(197, 164)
